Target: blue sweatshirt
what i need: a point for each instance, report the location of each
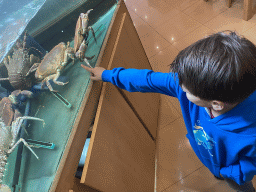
(225, 144)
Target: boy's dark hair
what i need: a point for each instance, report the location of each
(219, 67)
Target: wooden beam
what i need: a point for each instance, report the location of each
(248, 10)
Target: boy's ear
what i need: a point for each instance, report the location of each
(217, 105)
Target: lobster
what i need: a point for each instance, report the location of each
(18, 66)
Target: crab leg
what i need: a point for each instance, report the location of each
(16, 125)
(93, 33)
(49, 85)
(85, 20)
(35, 61)
(69, 53)
(56, 76)
(17, 114)
(4, 79)
(85, 29)
(33, 68)
(25, 143)
(90, 58)
(81, 51)
(87, 62)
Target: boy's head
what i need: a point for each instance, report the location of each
(219, 67)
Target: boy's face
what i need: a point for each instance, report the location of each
(196, 100)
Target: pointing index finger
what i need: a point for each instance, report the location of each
(86, 68)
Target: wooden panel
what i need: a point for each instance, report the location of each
(111, 35)
(128, 52)
(121, 154)
(248, 10)
(229, 2)
(65, 176)
(79, 187)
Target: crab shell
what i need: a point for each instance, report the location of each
(19, 65)
(78, 37)
(51, 62)
(6, 111)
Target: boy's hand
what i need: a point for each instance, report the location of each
(96, 72)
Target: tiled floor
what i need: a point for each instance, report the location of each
(166, 27)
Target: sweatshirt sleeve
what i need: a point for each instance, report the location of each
(241, 172)
(142, 80)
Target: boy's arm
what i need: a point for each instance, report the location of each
(137, 80)
(241, 172)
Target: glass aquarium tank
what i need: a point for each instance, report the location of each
(43, 44)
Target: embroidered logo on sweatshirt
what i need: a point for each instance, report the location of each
(203, 139)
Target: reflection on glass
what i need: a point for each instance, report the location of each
(13, 21)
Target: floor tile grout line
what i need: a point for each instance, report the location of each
(163, 50)
(208, 20)
(189, 6)
(183, 177)
(181, 36)
(248, 29)
(184, 9)
(218, 15)
(162, 23)
(149, 26)
(159, 35)
(203, 24)
(171, 43)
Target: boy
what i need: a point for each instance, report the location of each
(215, 82)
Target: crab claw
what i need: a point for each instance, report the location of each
(87, 13)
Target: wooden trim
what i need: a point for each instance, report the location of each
(248, 10)
(79, 187)
(109, 32)
(104, 57)
(88, 156)
(116, 42)
(253, 10)
(229, 3)
(70, 158)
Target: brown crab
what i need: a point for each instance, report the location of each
(10, 124)
(18, 66)
(52, 64)
(81, 35)
(7, 113)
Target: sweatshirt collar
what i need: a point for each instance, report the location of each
(242, 115)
